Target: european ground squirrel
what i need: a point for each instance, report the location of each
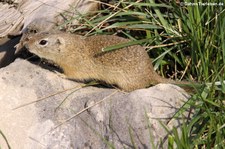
(81, 58)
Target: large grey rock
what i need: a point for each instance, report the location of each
(115, 120)
(17, 16)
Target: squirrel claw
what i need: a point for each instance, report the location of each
(61, 75)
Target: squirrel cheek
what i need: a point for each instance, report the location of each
(59, 51)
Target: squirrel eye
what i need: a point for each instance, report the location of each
(43, 42)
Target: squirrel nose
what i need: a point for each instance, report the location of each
(26, 45)
(23, 43)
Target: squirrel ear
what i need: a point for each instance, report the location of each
(59, 41)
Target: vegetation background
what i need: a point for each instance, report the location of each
(186, 40)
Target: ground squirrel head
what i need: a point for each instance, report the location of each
(46, 46)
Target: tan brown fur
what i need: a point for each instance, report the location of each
(82, 58)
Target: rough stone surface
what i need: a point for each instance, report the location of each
(111, 122)
(11, 19)
(17, 16)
